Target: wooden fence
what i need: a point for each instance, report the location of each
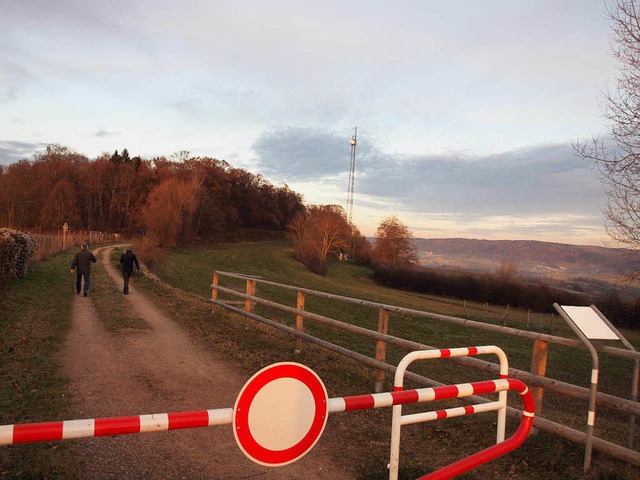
(535, 378)
(49, 244)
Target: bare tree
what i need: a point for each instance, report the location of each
(507, 269)
(318, 232)
(619, 165)
(394, 243)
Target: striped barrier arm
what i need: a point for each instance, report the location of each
(498, 449)
(98, 427)
(72, 429)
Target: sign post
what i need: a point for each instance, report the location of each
(588, 323)
(65, 229)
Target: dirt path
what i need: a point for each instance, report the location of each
(155, 371)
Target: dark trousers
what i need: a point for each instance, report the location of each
(79, 281)
(126, 274)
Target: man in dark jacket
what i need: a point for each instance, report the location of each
(82, 265)
(127, 260)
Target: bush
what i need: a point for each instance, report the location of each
(488, 288)
(17, 251)
(484, 288)
(8, 256)
(148, 251)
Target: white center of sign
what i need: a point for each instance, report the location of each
(281, 413)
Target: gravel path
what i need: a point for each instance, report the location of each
(155, 371)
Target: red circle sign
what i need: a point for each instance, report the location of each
(280, 414)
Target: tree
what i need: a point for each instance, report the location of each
(361, 249)
(60, 206)
(619, 166)
(394, 244)
(507, 269)
(318, 231)
(168, 213)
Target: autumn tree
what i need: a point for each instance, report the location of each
(108, 193)
(619, 165)
(168, 213)
(318, 231)
(61, 206)
(361, 248)
(53, 186)
(394, 244)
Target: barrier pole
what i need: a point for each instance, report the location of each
(98, 427)
(499, 449)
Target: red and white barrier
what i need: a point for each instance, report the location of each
(99, 427)
(451, 392)
(282, 410)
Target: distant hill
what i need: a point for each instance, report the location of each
(530, 255)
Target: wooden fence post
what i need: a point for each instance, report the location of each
(539, 367)
(381, 349)
(251, 290)
(214, 290)
(299, 320)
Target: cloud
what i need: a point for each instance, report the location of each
(546, 179)
(12, 81)
(12, 152)
(105, 133)
(535, 180)
(302, 154)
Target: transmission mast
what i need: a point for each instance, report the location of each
(352, 174)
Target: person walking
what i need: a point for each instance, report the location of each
(128, 259)
(82, 265)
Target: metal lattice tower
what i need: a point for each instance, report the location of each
(352, 174)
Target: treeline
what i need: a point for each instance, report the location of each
(172, 200)
(502, 290)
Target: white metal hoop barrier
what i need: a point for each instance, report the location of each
(282, 410)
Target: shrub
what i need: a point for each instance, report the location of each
(8, 256)
(17, 251)
(148, 250)
(484, 288)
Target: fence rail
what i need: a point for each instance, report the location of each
(49, 244)
(536, 378)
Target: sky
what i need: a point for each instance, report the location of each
(467, 111)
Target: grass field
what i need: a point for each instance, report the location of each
(192, 269)
(35, 318)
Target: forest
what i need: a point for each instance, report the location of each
(174, 200)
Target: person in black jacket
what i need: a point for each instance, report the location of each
(82, 265)
(128, 259)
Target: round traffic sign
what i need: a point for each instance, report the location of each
(280, 414)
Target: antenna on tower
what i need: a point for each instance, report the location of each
(352, 174)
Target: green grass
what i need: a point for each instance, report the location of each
(34, 319)
(191, 270)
